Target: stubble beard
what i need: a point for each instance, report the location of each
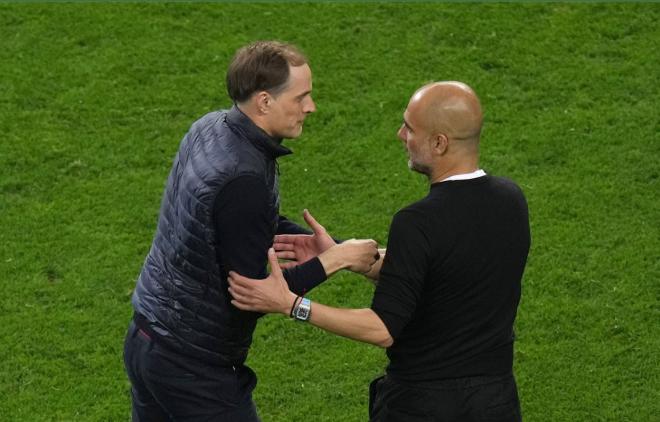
(418, 168)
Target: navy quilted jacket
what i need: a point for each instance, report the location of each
(182, 288)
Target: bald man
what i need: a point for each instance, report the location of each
(449, 285)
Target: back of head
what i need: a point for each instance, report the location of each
(261, 66)
(451, 108)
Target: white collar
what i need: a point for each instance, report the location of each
(465, 176)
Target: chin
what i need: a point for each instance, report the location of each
(295, 133)
(418, 168)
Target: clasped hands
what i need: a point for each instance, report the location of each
(272, 294)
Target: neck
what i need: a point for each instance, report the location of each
(255, 116)
(461, 168)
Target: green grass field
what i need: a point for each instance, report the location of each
(95, 98)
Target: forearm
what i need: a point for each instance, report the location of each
(357, 255)
(303, 278)
(273, 295)
(332, 261)
(357, 324)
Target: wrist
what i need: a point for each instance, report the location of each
(287, 307)
(302, 309)
(332, 260)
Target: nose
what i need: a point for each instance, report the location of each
(401, 134)
(310, 107)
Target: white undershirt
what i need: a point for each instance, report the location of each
(466, 176)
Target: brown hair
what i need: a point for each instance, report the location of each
(261, 66)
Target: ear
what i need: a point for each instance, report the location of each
(439, 144)
(262, 100)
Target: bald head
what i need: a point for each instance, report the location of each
(451, 108)
(441, 129)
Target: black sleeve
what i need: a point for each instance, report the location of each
(404, 270)
(286, 226)
(304, 277)
(243, 225)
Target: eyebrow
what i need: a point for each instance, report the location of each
(304, 94)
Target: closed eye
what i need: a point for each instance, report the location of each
(302, 96)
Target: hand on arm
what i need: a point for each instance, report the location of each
(357, 255)
(272, 295)
(300, 248)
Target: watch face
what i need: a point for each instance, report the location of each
(303, 310)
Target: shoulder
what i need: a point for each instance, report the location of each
(506, 191)
(209, 119)
(208, 128)
(504, 183)
(411, 217)
(506, 186)
(221, 148)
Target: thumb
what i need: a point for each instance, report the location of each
(275, 269)
(311, 222)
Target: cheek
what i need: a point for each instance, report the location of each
(291, 113)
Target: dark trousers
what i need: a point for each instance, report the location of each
(474, 399)
(166, 386)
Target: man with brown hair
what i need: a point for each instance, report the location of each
(449, 286)
(186, 346)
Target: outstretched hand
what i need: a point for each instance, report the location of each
(297, 249)
(270, 295)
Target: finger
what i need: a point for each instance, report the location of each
(281, 246)
(290, 264)
(364, 269)
(237, 290)
(241, 305)
(237, 277)
(312, 223)
(237, 296)
(286, 238)
(238, 280)
(274, 264)
(233, 285)
(285, 254)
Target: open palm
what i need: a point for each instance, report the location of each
(300, 248)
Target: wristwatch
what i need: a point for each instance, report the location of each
(303, 310)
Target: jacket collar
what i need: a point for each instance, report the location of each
(241, 124)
